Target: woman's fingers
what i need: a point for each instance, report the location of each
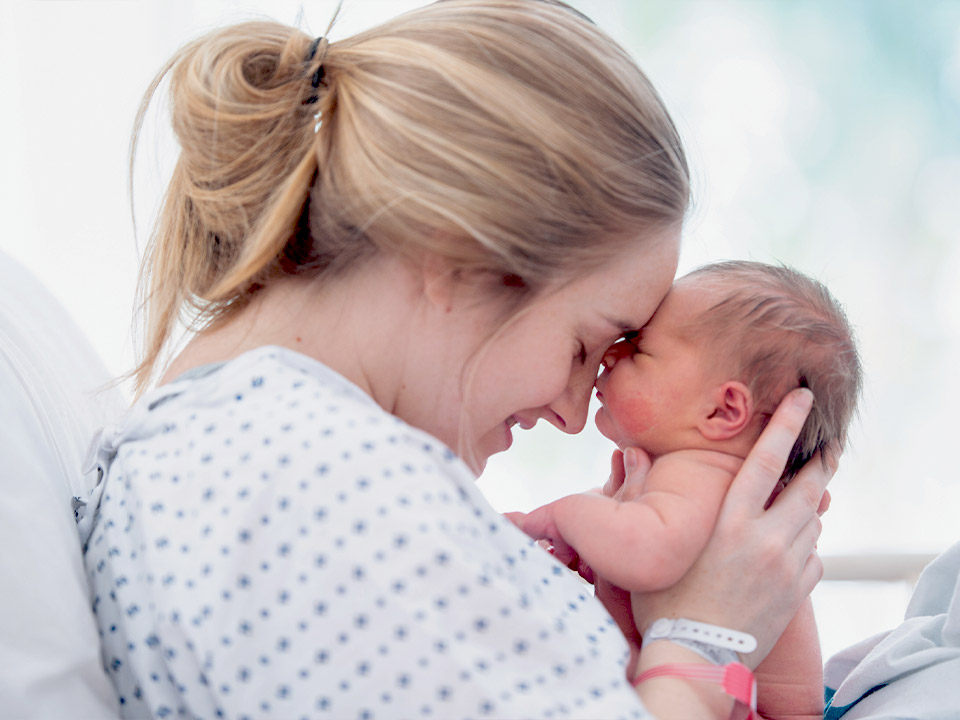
(831, 456)
(805, 541)
(808, 489)
(824, 503)
(805, 549)
(831, 460)
(618, 603)
(615, 481)
(811, 574)
(762, 469)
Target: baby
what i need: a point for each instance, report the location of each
(693, 389)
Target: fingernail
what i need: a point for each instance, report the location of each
(630, 461)
(804, 398)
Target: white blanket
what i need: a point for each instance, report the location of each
(912, 671)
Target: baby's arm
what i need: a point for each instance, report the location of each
(790, 678)
(650, 539)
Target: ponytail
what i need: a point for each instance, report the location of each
(248, 155)
(511, 137)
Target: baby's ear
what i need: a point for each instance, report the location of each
(729, 411)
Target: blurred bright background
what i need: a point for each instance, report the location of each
(823, 135)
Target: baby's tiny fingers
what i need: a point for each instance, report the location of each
(516, 518)
(617, 474)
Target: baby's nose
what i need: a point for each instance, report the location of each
(615, 352)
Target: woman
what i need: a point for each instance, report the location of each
(395, 248)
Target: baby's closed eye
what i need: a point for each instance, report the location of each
(619, 350)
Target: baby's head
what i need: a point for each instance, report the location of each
(727, 343)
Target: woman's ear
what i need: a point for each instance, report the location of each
(440, 281)
(728, 413)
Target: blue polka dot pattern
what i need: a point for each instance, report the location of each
(271, 543)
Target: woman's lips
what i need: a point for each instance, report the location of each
(523, 423)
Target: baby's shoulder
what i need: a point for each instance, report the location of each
(695, 466)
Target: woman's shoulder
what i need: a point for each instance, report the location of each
(265, 374)
(268, 385)
(273, 410)
(318, 531)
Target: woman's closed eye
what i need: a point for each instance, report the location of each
(582, 354)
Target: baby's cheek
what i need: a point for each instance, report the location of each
(634, 414)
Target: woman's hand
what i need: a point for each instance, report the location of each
(759, 564)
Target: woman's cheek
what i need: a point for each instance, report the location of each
(542, 388)
(551, 385)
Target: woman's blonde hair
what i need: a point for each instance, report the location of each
(512, 137)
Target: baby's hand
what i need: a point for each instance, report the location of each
(541, 526)
(516, 518)
(615, 481)
(633, 463)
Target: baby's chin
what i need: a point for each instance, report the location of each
(622, 443)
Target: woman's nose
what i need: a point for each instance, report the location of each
(571, 408)
(617, 351)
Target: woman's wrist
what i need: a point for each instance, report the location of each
(661, 653)
(719, 645)
(694, 662)
(670, 696)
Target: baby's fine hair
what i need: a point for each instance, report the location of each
(780, 330)
(511, 137)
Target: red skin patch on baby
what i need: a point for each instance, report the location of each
(641, 419)
(627, 419)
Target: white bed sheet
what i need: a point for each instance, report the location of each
(49, 408)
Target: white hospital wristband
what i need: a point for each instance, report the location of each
(717, 644)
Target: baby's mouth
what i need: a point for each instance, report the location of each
(597, 387)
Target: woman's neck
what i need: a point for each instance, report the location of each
(342, 322)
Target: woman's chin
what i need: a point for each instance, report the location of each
(496, 441)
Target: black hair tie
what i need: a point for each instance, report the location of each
(318, 73)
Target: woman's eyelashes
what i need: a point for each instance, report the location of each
(632, 338)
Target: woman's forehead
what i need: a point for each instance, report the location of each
(640, 278)
(685, 301)
(623, 293)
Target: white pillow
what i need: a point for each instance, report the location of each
(50, 663)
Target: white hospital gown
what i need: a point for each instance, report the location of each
(270, 543)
